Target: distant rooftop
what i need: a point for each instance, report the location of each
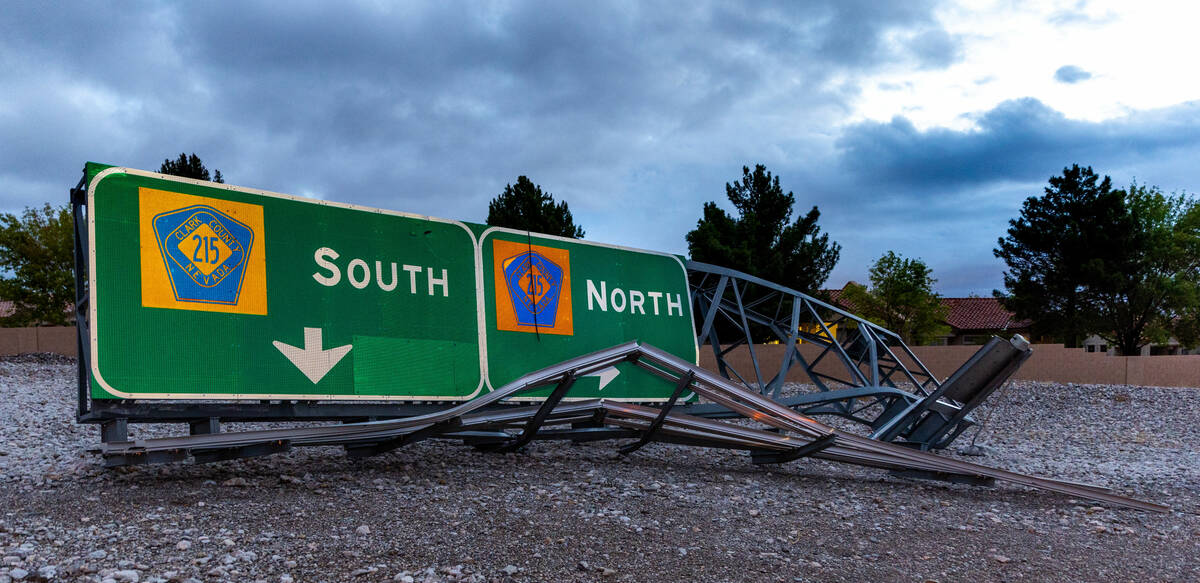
(980, 314)
(964, 313)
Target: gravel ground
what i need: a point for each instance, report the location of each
(437, 511)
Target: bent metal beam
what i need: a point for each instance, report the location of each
(480, 422)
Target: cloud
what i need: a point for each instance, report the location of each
(1071, 74)
(634, 113)
(1079, 15)
(946, 194)
(936, 49)
(1017, 140)
(433, 107)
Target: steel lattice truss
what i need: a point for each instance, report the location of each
(863, 372)
(869, 355)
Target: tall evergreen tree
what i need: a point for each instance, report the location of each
(189, 167)
(1055, 252)
(762, 239)
(1085, 259)
(525, 207)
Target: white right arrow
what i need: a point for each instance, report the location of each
(606, 376)
(314, 362)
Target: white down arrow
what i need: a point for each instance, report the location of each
(314, 362)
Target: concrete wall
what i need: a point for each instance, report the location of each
(56, 339)
(1050, 362)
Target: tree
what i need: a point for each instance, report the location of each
(1089, 259)
(37, 258)
(901, 299)
(525, 207)
(1055, 251)
(763, 240)
(1146, 288)
(189, 167)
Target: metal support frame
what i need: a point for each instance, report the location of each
(245, 451)
(535, 422)
(773, 457)
(82, 344)
(804, 437)
(950, 477)
(655, 425)
(731, 299)
(864, 373)
(927, 424)
(370, 449)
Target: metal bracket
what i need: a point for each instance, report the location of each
(683, 383)
(532, 426)
(114, 430)
(206, 426)
(361, 451)
(772, 457)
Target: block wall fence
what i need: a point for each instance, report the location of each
(1050, 362)
(56, 339)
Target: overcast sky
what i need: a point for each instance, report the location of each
(917, 127)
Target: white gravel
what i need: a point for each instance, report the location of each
(437, 511)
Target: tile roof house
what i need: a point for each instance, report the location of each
(8, 308)
(971, 320)
(974, 320)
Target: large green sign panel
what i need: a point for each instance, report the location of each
(605, 296)
(208, 291)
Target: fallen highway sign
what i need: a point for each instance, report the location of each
(199, 290)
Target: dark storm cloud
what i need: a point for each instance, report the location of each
(1071, 74)
(432, 107)
(948, 194)
(1018, 140)
(633, 112)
